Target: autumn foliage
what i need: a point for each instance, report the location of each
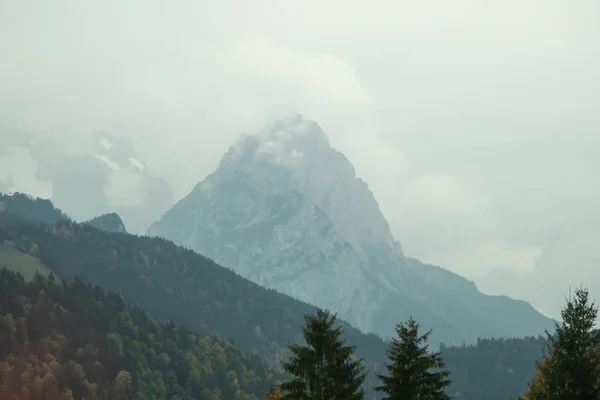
(62, 341)
(272, 394)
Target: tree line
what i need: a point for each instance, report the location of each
(325, 368)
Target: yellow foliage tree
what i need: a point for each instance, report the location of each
(272, 395)
(122, 385)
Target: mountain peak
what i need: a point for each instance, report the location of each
(290, 141)
(110, 222)
(292, 129)
(287, 211)
(293, 155)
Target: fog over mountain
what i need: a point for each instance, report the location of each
(286, 210)
(474, 124)
(101, 176)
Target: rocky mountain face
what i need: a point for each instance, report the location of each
(287, 211)
(108, 223)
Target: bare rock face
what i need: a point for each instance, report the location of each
(286, 210)
(108, 223)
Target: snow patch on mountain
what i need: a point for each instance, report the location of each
(136, 163)
(110, 163)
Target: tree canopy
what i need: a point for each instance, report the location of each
(571, 368)
(71, 340)
(325, 368)
(413, 372)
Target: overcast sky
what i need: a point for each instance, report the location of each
(476, 123)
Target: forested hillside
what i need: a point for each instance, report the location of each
(32, 209)
(493, 369)
(172, 283)
(73, 341)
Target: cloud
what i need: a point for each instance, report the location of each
(18, 173)
(123, 188)
(440, 209)
(475, 124)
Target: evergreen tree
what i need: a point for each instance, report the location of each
(410, 377)
(571, 369)
(324, 369)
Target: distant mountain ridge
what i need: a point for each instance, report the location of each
(287, 211)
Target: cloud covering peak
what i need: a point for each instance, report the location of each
(475, 125)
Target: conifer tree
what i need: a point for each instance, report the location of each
(325, 368)
(571, 368)
(410, 376)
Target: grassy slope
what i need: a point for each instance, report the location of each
(17, 261)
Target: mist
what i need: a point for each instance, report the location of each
(475, 124)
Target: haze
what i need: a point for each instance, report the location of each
(475, 123)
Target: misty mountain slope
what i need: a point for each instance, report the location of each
(99, 174)
(287, 211)
(111, 179)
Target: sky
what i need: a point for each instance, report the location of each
(475, 123)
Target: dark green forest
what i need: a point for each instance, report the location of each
(493, 369)
(175, 284)
(31, 209)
